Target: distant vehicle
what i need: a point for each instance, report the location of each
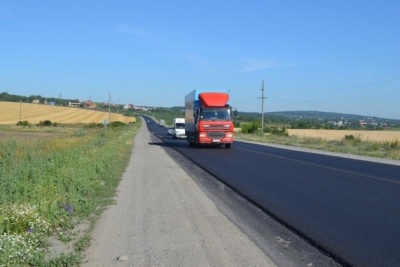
(208, 119)
(170, 131)
(178, 128)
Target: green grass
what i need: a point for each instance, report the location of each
(47, 186)
(349, 145)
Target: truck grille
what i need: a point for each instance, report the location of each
(218, 127)
(216, 135)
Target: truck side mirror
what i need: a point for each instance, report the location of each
(235, 113)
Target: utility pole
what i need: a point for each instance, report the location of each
(109, 107)
(262, 107)
(20, 110)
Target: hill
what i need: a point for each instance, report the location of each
(12, 112)
(328, 116)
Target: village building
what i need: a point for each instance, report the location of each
(90, 104)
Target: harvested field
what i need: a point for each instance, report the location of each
(12, 112)
(379, 136)
(19, 135)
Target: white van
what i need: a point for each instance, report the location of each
(178, 128)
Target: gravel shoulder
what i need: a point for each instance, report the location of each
(163, 218)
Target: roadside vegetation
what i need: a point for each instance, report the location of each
(248, 127)
(349, 144)
(52, 185)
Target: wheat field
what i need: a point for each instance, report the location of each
(12, 112)
(340, 134)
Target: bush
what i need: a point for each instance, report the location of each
(23, 123)
(280, 131)
(352, 139)
(45, 123)
(93, 125)
(117, 124)
(250, 128)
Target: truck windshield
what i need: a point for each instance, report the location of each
(216, 114)
(180, 126)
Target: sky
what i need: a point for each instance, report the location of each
(333, 56)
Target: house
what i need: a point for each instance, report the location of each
(141, 108)
(35, 101)
(72, 104)
(90, 104)
(128, 106)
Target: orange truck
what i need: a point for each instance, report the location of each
(209, 119)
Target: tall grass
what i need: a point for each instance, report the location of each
(348, 144)
(48, 185)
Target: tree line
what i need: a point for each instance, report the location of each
(29, 99)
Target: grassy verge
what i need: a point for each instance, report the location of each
(48, 187)
(348, 144)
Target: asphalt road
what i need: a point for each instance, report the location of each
(347, 207)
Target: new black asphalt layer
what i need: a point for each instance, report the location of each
(283, 246)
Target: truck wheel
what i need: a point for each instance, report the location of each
(191, 144)
(228, 145)
(196, 144)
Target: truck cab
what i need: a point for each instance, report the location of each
(209, 119)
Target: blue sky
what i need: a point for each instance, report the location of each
(334, 56)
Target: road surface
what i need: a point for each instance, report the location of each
(163, 218)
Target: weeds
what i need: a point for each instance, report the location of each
(47, 186)
(22, 234)
(349, 144)
(392, 144)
